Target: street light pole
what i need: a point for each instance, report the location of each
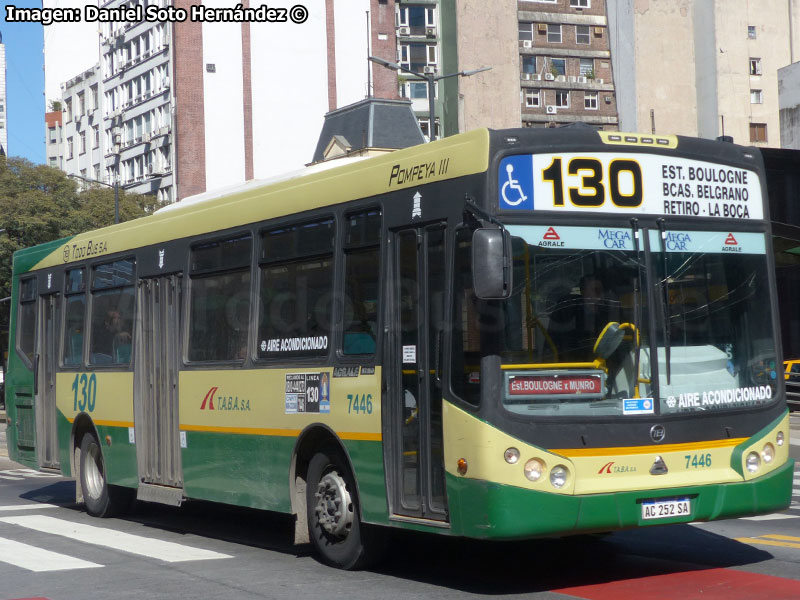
(115, 187)
(430, 80)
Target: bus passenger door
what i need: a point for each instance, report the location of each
(45, 362)
(158, 448)
(416, 317)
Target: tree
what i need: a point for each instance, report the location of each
(55, 106)
(40, 204)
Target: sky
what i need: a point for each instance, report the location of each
(25, 85)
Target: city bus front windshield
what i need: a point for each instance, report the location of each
(590, 308)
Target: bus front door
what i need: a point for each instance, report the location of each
(45, 362)
(416, 318)
(156, 423)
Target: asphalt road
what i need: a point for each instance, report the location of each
(50, 548)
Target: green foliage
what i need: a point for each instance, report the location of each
(55, 106)
(39, 204)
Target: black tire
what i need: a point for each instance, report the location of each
(341, 540)
(100, 499)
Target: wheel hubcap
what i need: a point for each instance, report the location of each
(94, 472)
(334, 507)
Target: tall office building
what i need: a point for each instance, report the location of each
(703, 67)
(3, 100)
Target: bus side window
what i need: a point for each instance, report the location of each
(296, 288)
(361, 280)
(111, 333)
(74, 317)
(220, 300)
(26, 336)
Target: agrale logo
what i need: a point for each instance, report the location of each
(224, 402)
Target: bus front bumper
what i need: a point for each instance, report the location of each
(482, 509)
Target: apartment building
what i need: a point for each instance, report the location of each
(137, 106)
(703, 67)
(565, 64)
(80, 151)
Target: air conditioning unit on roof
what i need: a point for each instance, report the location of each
(551, 110)
(549, 77)
(403, 31)
(429, 69)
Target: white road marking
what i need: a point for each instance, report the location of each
(11, 478)
(25, 507)
(117, 540)
(26, 473)
(770, 517)
(37, 559)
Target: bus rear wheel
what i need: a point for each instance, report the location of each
(101, 499)
(334, 525)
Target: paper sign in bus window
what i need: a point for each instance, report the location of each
(307, 393)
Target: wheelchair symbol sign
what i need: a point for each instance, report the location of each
(515, 183)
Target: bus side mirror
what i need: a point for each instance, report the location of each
(491, 264)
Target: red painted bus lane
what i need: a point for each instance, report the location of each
(709, 584)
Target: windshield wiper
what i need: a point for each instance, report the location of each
(666, 308)
(637, 305)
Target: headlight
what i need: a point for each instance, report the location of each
(753, 462)
(768, 453)
(534, 469)
(779, 438)
(512, 456)
(558, 476)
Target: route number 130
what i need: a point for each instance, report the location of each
(624, 182)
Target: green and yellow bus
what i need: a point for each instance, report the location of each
(499, 335)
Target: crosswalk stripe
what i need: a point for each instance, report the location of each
(11, 507)
(37, 559)
(11, 478)
(116, 540)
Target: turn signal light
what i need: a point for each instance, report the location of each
(462, 466)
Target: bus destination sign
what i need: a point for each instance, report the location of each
(627, 183)
(561, 384)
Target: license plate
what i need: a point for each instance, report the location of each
(666, 509)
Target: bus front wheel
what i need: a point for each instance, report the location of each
(101, 499)
(334, 525)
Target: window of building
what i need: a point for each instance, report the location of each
(2, 107)
(590, 100)
(82, 136)
(583, 34)
(68, 110)
(417, 56)
(219, 300)
(751, 32)
(562, 98)
(416, 18)
(758, 132)
(111, 335)
(756, 97)
(295, 291)
(425, 126)
(755, 66)
(69, 148)
(558, 66)
(554, 33)
(93, 91)
(587, 67)
(75, 317)
(528, 64)
(51, 135)
(580, 3)
(80, 108)
(96, 132)
(53, 162)
(531, 98)
(526, 32)
(361, 282)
